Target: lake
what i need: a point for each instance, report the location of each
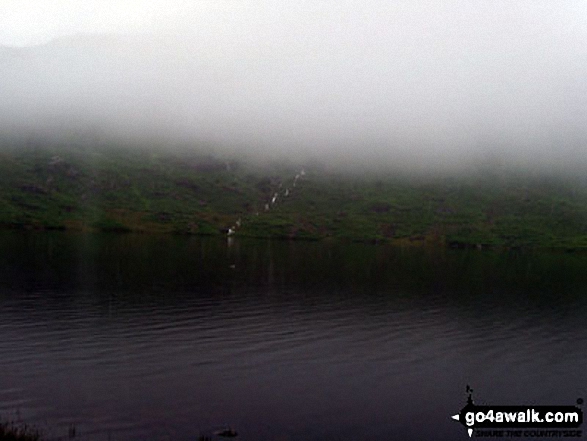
(138, 337)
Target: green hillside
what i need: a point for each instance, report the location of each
(195, 193)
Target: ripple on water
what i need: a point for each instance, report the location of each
(293, 359)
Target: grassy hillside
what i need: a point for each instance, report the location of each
(196, 193)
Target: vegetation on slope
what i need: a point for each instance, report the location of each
(185, 192)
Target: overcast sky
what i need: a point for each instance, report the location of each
(432, 80)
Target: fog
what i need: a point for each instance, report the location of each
(418, 83)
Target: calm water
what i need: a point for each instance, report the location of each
(166, 338)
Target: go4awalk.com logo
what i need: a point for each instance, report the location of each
(520, 421)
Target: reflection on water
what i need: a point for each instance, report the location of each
(140, 337)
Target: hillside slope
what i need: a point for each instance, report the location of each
(196, 193)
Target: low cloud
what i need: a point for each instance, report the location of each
(444, 84)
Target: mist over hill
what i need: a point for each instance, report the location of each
(460, 121)
(363, 93)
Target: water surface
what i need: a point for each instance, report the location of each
(132, 337)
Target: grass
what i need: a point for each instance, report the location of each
(10, 431)
(180, 192)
